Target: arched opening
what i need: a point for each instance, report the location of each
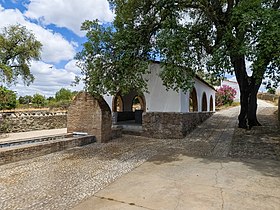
(193, 107)
(128, 108)
(211, 103)
(138, 103)
(117, 104)
(204, 102)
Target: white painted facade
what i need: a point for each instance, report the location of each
(158, 99)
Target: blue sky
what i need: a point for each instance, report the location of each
(56, 24)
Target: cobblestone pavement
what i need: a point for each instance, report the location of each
(259, 142)
(62, 180)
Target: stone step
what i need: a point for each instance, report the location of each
(30, 148)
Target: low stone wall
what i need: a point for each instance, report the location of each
(33, 120)
(171, 125)
(268, 97)
(27, 151)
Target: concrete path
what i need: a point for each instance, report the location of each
(193, 183)
(31, 134)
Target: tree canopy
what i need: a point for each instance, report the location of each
(18, 47)
(63, 94)
(39, 100)
(187, 37)
(8, 98)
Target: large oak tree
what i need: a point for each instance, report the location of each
(18, 47)
(187, 36)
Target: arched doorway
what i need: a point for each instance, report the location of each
(211, 103)
(204, 102)
(193, 107)
(117, 105)
(128, 108)
(138, 107)
(138, 103)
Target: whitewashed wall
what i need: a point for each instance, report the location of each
(160, 100)
(200, 89)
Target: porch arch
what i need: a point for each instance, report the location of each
(117, 105)
(204, 102)
(193, 106)
(211, 103)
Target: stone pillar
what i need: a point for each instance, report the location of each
(90, 115)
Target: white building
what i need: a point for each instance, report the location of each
(158, 100)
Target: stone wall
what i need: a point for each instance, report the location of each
(268, 97)
(33, 120)
(172, 125)
(90, 115)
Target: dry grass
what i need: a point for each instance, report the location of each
(227, 106)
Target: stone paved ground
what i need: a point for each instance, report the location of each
(259, 142)
(62, 180)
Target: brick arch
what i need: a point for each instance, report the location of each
(211, 103)
(204, 102)
(193, 105)
(90, 115)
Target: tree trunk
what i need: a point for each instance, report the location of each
(252, 105)
(248, 94)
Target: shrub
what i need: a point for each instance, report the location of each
(225, 95)
(38, 100)
(8, 98)
(271, 90)
(64, 104)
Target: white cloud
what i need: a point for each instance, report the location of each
(69, 14)
(48, 79)
(55, 47)
(72, 67)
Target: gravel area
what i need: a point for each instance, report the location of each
(62, 180)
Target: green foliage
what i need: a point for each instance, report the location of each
(8, 98)
(63, 94)
(271, 90)
(18, 47)
(25, 99)
(186, 36)
(50, 98)
(63, 104)
(38, 100)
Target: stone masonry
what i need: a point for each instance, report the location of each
(90, 115)
(33, 120)
(171, 124)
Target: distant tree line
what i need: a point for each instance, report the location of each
(61, 100)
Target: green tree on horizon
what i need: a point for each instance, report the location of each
(63, 94)
(38, 100)
(8, 98)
